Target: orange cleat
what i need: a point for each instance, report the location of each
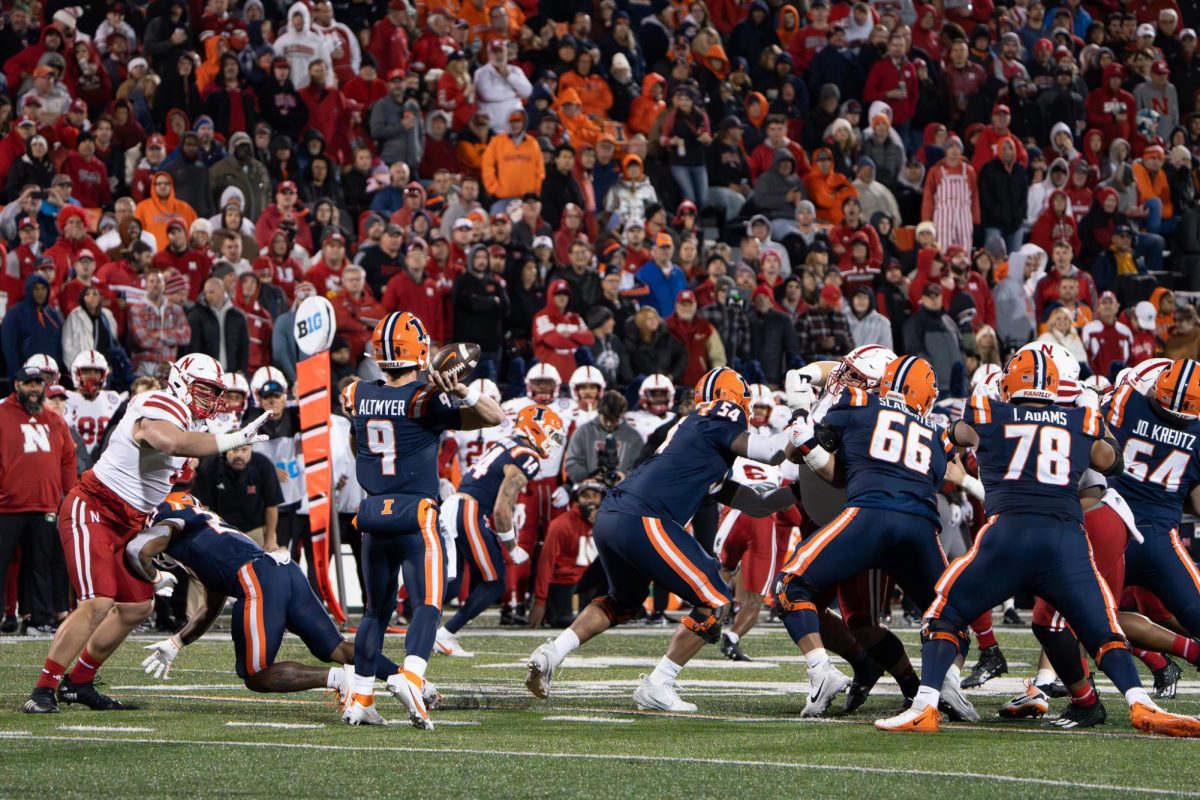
(927, 720)
(1152, 719)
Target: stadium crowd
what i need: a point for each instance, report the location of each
(648, 189)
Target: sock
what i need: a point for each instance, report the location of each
(1084, 697)
(566, 643)
(334, 679)
(1044, 676)
(1151, 659)
(442, 632)
(937, 657)
(733, 637)
(1118, 666)
(385, 667)
(1185, 648)
(986, 639)
(52, 675)
(1138, 695)
(85, 668)
(817, 659)
(416, 665)
(954, 674)
(364, 687)
(1010, 603)
(666, 672)
(1062, 651)
(926, 696)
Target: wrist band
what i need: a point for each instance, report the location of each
(506, 536)
(178, 642)
(816, 458)
(473, 395)
(973, 486)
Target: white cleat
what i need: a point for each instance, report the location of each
(541, 673)
(660, 697)
(356, 713)
(409, 689)
(825, 686)
(431, 696)
(447, 644)
(957, 706)
(346, 687)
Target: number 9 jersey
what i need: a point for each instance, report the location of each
(397, 429)
(1031, 457)
(894, 458)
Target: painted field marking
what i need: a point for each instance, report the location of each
(105, 729)
(291, 726)
(580, 718)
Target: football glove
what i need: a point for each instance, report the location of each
(280, 557)
(162, 655)
(164, 584)
(240, 438)
(561, 497)
(518, 555)
(800, 431)
(798, 387)
(445, 489)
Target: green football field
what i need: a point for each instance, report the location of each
(202, 734)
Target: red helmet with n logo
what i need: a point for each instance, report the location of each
(400, 341)
(1030, 375)
(910, 380)
(542, 427)
(1178, 389)
(723, 383)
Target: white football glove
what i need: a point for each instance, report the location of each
(164, 585)
(800, 431)
(1088, 398)
(561, 497)
(280, 557)
(798, 387)
(162, 655)
(445, 489)
(518, 555)
(247, 435)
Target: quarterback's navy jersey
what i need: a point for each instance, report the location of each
(207, 545)
(398, 429)
(1161, 458)
(893, 458)
(692, 462)
(483, 480)
(1032, 456)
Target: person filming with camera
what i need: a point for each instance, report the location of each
(607, 445)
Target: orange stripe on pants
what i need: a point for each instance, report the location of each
(1188, 564)
(692, 575)
(942, 587)
(434, 559)
(810, 549)
(475, 537)
(254, 628)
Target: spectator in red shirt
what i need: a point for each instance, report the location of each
(178, 255)
(893, 80)
(85, 276)
(356, 311)
(1106, 339)
(566, 554)
(557, 332)
(89, 176)
(412, 289)
(1144, 324)
(763, 156)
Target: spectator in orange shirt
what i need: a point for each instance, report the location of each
(1154, 191)
(826, 188)
(594, 92)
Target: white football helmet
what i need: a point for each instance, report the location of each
(487, 388)
(1143, 377)
(762, 401)
(235, 382)
(92, 360)
(862, 367)
(657, 394)
(1099, 383)
(984, 373)
(47, 365)
(541, 374)
(198, 382)
(1068, 369)
(587, 376)
(264, 374)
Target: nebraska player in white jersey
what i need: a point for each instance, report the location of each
(107, 507)
(766, 415)
(587, 384)
(90, 406)
(656, 398)
(471, 445)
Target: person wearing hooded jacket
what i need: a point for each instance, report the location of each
(242, 171)
(647, 107)
(1015, 312)
(480, 308)
(777, 190)
(73, 238)
(867, 325)
(1056, 223)
(1109, 107)
(31, 326)
(512, 163)
(160, 207)
(1096, 228)
(630, 196)
(557, 332)
(32, 168)
(1003, 190)
(301, 45)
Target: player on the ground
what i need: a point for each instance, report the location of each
(271, 596)
(90, 406)
(493, 484)
(892, 461)
(656, 398)
(397, 424)
(108, 506)
(640, 537)
(1031, 456)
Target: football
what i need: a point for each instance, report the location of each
(456, 360)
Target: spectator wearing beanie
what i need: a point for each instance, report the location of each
(32, 326)
(1003, 189)
(72, 239)
(557, 332)
(699, 338)
(88, 174)
(608, 350)
(190, 176)
(827, 188)
(241, 170)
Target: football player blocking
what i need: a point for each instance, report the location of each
(107, 507)
(640, 538)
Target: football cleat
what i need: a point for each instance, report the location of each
(1011, 617)
(911, 720)
(10, 624)
(660, 697)
(1078, 716)
(345, 686)
(860, 688)
(991, 664)
(733, 650)
(541, 671)
(431, 696)
(409, 688)
(1152, 719)
(85, 694)
(824, 687)
(361, 711)
(1166, 680)
(1031, 705)
(956, 705)
(41, 701)
(1055, 688)
(448, 644)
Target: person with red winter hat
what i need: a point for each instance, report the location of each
(699, 338)
(1110, 109)
(557, 332)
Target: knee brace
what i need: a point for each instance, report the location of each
(935, 629)
(705, 625)
(616, 615)
(793, 593)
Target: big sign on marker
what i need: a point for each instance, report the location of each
(314, 325)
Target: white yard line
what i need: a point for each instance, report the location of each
(105, 729)
(575, 718)
(290, 726)
(787, 766)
